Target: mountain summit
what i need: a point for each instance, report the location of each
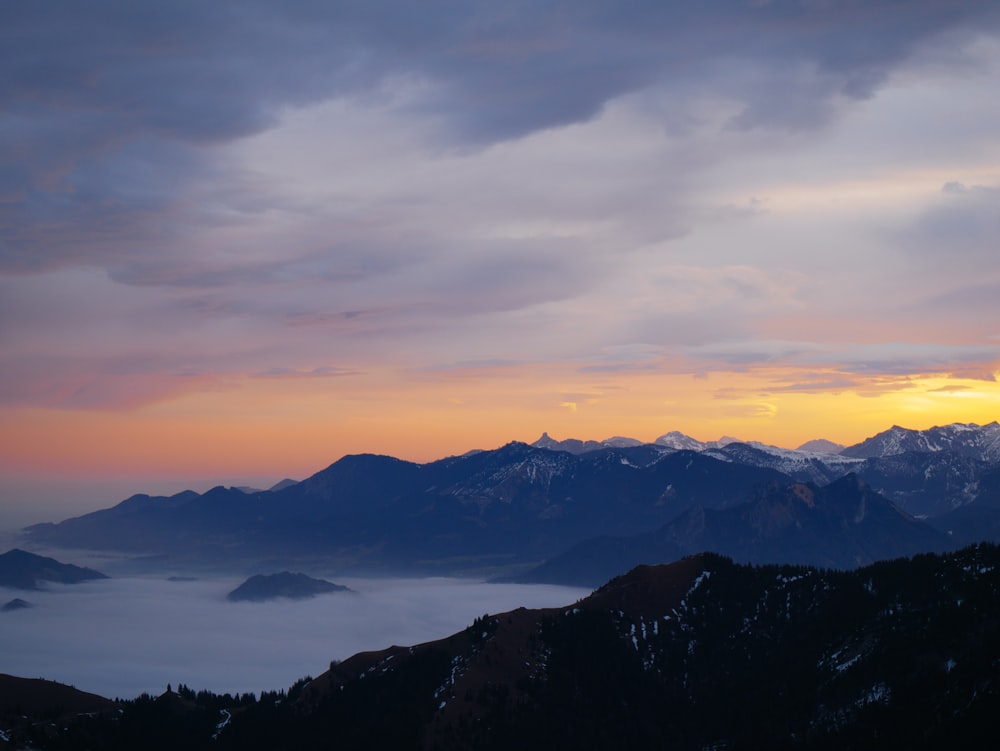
(967, 439)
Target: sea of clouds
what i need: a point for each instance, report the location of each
(124, 636)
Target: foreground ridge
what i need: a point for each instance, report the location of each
(703, 652)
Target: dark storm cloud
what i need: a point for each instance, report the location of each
(110, 109)
(203, 72)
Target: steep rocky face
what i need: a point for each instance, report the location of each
(977, 441)
(926, 484)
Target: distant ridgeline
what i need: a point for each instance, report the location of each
(582, 511)
(702, 653)
(20, 569)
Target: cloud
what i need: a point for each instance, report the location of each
(958, 232)
(73, 385)
(819, 384)
(126, 636)
(827, 367)
(965, 301)
(740, 352)
(100, 98)
(322, 371)
(901, 358)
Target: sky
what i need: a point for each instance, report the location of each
(133, 635)
(239, 240)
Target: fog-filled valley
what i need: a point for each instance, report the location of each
(121, 637)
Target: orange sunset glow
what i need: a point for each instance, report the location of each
(258, 431)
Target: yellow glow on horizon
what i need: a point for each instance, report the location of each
(261, 427)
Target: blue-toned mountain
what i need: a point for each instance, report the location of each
(504, 511)
(477, 512)
(842, 525)
(20, 569)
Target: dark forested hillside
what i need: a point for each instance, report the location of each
(702, 653)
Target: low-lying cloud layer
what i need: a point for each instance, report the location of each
(122, 637)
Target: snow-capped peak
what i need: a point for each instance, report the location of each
(968, 439)
(677, 440)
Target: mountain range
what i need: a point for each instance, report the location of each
(520, 509)
(701, 653)
(842, 525)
